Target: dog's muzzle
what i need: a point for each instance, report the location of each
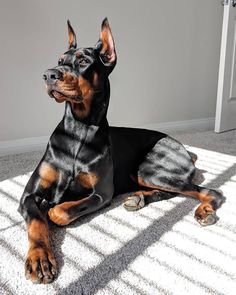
(51, 76)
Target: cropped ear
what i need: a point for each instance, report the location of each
(72, 36)
(106, 45)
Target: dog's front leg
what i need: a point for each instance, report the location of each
(47, 182)
(64, 213)
(40, 265)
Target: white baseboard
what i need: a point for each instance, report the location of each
(39, 143)
(187, 125)
(23, 145)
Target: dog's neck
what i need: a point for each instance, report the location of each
(97, 112)
(92, 120)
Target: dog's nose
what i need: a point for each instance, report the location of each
(52, 75)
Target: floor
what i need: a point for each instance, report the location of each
(160, 249)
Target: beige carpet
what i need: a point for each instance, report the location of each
(157, 250)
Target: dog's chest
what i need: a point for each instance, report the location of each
(91, 147)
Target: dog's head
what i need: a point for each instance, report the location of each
(82, 73)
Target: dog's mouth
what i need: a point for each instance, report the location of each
(61, 97)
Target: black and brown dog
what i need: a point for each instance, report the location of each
(87, 163)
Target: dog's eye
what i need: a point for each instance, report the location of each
(60, 61)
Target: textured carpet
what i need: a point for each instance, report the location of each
(160, 249)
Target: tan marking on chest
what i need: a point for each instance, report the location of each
(87, 179)
(48, 175)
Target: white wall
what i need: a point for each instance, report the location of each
(168, 56)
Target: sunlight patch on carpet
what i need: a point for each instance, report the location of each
(118, 252)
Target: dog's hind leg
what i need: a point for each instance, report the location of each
(210, 199)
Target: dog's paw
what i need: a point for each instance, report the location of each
(206, 216)
(40, 265)
(211, 218)
(133, 203)
(59, 216)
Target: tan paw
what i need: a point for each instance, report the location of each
(40, 265)
(59, 215)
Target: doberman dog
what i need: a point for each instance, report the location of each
(87, 163)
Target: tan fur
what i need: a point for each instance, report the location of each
(108, 43)
(48, 175)
(71, 38)
(39, 252)
(87, 180)
(60, 213)
(82, 109)
(37, 231)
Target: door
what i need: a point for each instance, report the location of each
(226, 94)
